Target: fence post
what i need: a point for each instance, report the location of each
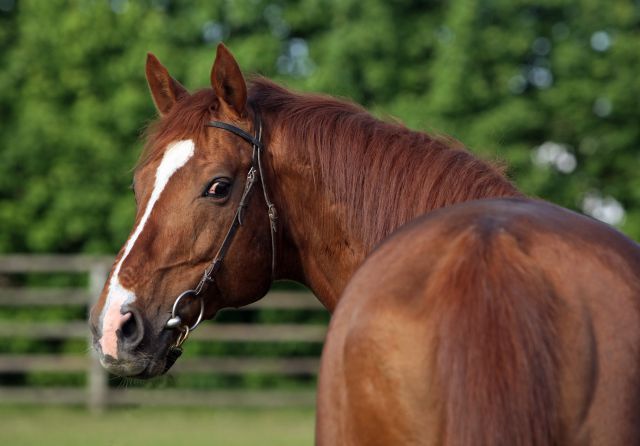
(98, 384)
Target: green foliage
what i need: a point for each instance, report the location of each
(504, 77)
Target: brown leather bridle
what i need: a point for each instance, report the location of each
(210, 272)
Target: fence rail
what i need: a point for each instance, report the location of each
(98, 394)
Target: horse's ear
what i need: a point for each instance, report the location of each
(227, 80)
(165, 90)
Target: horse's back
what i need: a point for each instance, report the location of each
(495, 322)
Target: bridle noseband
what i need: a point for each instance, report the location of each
(209, 273)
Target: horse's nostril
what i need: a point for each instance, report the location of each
(129, 327)
(131, 330)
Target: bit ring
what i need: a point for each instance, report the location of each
(176, 321)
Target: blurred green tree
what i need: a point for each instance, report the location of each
(550, 86)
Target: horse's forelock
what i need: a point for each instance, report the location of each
(187, 120)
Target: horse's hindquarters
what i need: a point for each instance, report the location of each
(492, 323)
(370, 377)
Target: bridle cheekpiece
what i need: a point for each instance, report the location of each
(210, 272)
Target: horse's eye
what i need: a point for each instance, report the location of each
(218, 189)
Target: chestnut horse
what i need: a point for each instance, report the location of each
(259, 184)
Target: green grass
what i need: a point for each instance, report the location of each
(52, 426)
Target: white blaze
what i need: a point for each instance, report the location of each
(176, 155)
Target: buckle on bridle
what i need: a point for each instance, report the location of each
(273, 217)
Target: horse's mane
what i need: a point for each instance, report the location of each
(381, 172)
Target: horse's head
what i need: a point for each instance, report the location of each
(188, 188)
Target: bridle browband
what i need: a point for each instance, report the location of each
(210, 272)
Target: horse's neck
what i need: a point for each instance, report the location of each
(327, 232)
(315, 248)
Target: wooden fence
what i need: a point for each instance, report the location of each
(98, 394)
